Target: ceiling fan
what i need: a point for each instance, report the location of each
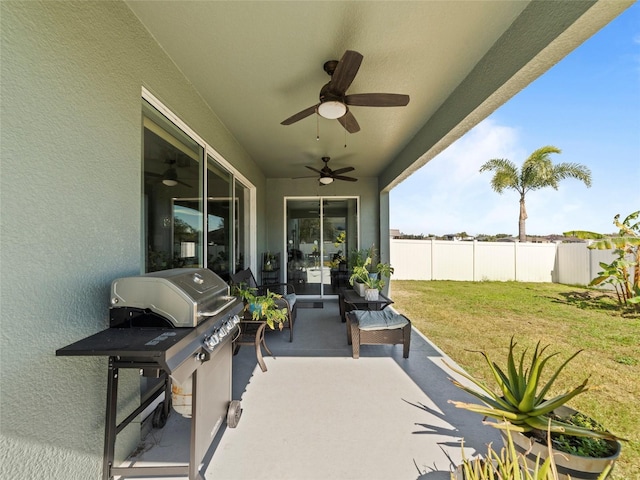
(334, 102)
(170, 175)
(327, 175)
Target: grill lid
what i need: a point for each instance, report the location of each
(183, 296)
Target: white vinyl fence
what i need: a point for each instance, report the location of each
(567, 263)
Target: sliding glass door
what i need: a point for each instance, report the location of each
(321, 233)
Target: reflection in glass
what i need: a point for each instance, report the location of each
(241, 227)
(171, 192)
(173, 207)
(219, 231)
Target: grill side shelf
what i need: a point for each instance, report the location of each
(129, 342)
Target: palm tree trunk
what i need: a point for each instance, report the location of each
(522, 231)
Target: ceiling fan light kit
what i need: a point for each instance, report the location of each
(332, 109)
(326, 180)
(170, 177)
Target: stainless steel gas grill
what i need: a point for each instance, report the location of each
(178, 326)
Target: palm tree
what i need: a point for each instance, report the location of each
(537, 172)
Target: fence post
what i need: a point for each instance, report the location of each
(590, 259)
(473, 273)
(433, 247)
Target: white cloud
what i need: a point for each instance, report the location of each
(449, 194)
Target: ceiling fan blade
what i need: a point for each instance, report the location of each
(345, 72)
(347, 179)
(377, 99)
(314, 169)
(305, 176)
(349, 122)
(342, 170)
(300, 115)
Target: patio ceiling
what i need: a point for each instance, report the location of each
(257, 63)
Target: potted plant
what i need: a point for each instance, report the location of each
(505, 464)
(360, 276)
(370, 279)
(262, 307)
(511, 464)
(355, 260)
(269, 260)
(265, 307)
(522, 407)
(246, 293)
(384, 270)
(358, 257)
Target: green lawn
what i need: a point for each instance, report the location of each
(462, 317)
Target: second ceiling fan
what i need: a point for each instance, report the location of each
(327, 175)
(334, 102)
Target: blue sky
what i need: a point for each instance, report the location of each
(588, 105)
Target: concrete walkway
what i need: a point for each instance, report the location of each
(317, 413)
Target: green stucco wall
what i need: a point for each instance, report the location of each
(70, 179)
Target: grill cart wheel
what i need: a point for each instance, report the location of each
(159, 417)
(234, 413)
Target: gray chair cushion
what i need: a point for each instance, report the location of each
(379, 320)
(291, 298)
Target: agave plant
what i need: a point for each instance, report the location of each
(508, 463)
(522, 406)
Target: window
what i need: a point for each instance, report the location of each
(175, 216)
(219, 219)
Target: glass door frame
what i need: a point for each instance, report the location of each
(320, 200)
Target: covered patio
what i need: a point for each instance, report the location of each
(317, 413)
(87, 197)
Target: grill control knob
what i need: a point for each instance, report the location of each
(203, 357)
(222, 332)
(197, 278)
(235, 319)
(211, 341)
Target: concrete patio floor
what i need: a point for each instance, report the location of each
(317, 413)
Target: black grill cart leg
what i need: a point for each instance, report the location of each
(161, 413)
(110, 420)
(167, 394)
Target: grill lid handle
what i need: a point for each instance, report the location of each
(213, 313)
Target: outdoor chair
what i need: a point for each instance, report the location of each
(380, 327)
(288, 300)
